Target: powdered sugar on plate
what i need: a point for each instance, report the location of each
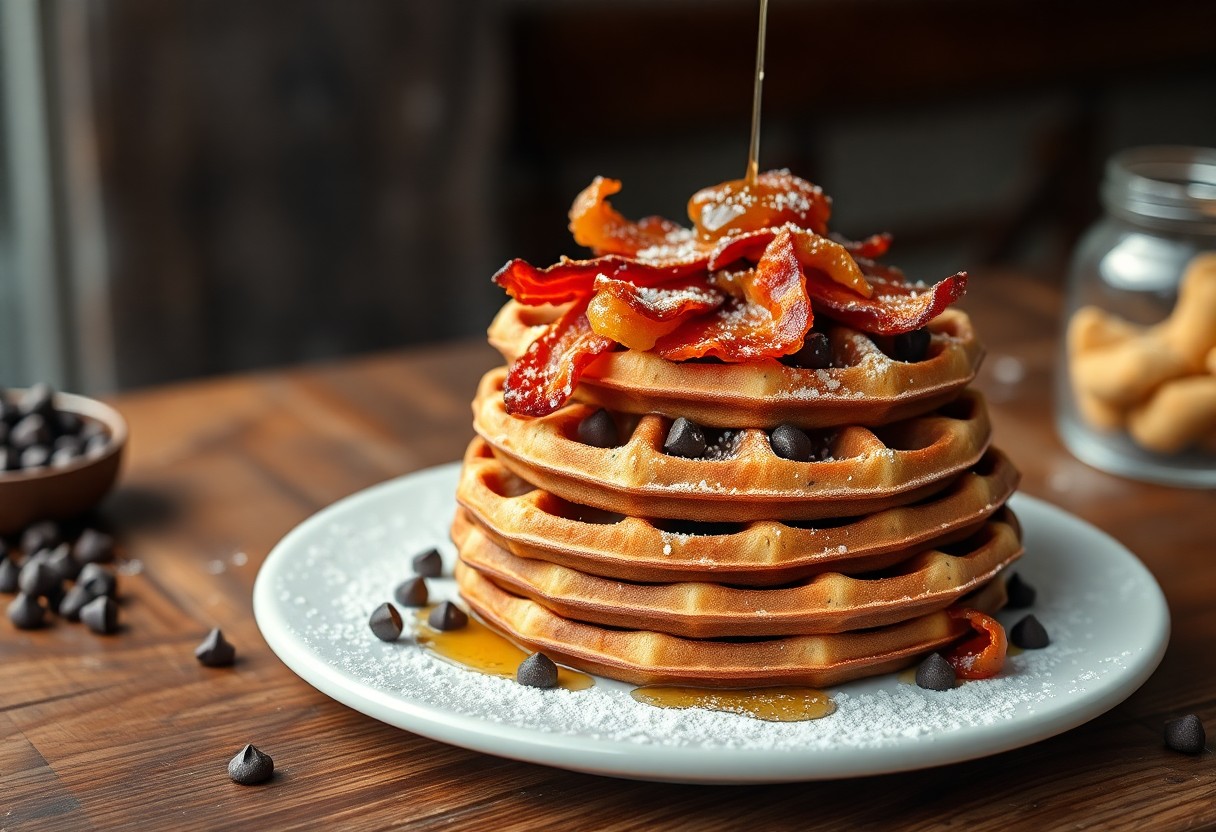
(1104, 614)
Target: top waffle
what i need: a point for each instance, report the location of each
(862, 387)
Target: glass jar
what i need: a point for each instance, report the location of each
(1136, 389)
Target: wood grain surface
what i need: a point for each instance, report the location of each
(129, 731)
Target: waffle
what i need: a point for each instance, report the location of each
(862, 470)
(533, 523)
(827, 603)
(647, 657)
(863, 387)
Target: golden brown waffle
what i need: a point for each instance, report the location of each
(863, 387)
(828, 603)
(645, 657)
(863, 469)
(533, 523)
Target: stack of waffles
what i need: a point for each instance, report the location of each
(738, 566)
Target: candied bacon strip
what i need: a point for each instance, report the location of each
(768, 318)
(679, 299)
(543, 378)
(876, 245)
(773, 199)
(598, 226)
(897, 306)
(982, 655)
(813, 252)
(572, 279)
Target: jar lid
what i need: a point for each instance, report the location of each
(1173, 186)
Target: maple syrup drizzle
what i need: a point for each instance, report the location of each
(753, 149)
(476, 647)
(788, 704)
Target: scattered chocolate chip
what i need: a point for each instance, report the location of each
(447, 616)
(98, 580)
(31, 430)
(26, 612)
(599, 430)
(61, 561)
(935, 673)
(429, 564)
(1029, 634)
(788, 442)
(100, 615)
(1185, 735)
(250, 766)
(37, 578)
(215, 650)
(537, 671)
(37, 400)
(9, 571)
(815, 353)
(1021, 594)
(44, 535)
(685, 439)
(385, 622)
(35, 456)
(93, 547)
(910, 346)
(73, 601)
(412, 593)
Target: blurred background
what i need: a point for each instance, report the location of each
(206, 186)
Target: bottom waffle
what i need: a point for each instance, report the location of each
(645, 657)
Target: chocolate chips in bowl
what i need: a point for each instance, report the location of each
(59, 455)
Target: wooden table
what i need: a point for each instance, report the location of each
(100, 732)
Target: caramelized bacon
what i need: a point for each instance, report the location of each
(982, 655)
(896, 306)
(543, 378)
(876, 245)
(598, 226)
(776, 197)
(572, 279)
(636, 317)
(813, 251)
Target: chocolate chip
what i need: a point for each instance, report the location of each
(100, 615)
(67, 424)
(1029, 634)
(62, 458)
(815, 353)
(9, 571)
(99, 580)
(599, 430)
(93, 547)
(10, 458)
(73, 602)
(8, 410)
(385, 622)
(37, 578)
(35, 456)
(910, 346)
(250, 767)
(61, 561)
(788, 442)
(447, 616)
(37, 400)
(935, 673)
(1185, 735)
(429, 564)
(537, 671)
(96, 446)
(44, 535)
(685, 439)
(31, 430)
(215, 651)
(90, 429)
(26, 612)
(412, 593)
(1021, 594)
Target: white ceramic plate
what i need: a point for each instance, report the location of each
(1106, 616)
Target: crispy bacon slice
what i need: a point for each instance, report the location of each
(896, 306)
(571, 279)
(813, 252)
(636, 316)
(768, 316)
(982, 655)
(598, 226)
(543, 378)
(876, 245)
(775, 198)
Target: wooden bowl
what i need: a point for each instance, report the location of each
(59, 493)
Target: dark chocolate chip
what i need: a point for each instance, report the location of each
(537, 671)
(35, 456)
(61, 561)
(429, 564)
(8, 410)
(412, 593)
(1185, 735)
(73, 602)
(815, 353)
(447, 616)
(1029, 634)
(44, 535)
(250, 767)
(11, 458)
(38, 399)
(93, 547)
(4, 430)
(96, 446)
(788, 442)
(9, 572)
(935, 673)
(385, 622)
(215, 651)
(26, 612)
(910, 346)
(38, 578)
(1021, 594)
(67, 423)
(62, 458)
(685, 439)
(100, 615)
(71, 443)
(99, 580)
(31, 430)
(599, 430)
